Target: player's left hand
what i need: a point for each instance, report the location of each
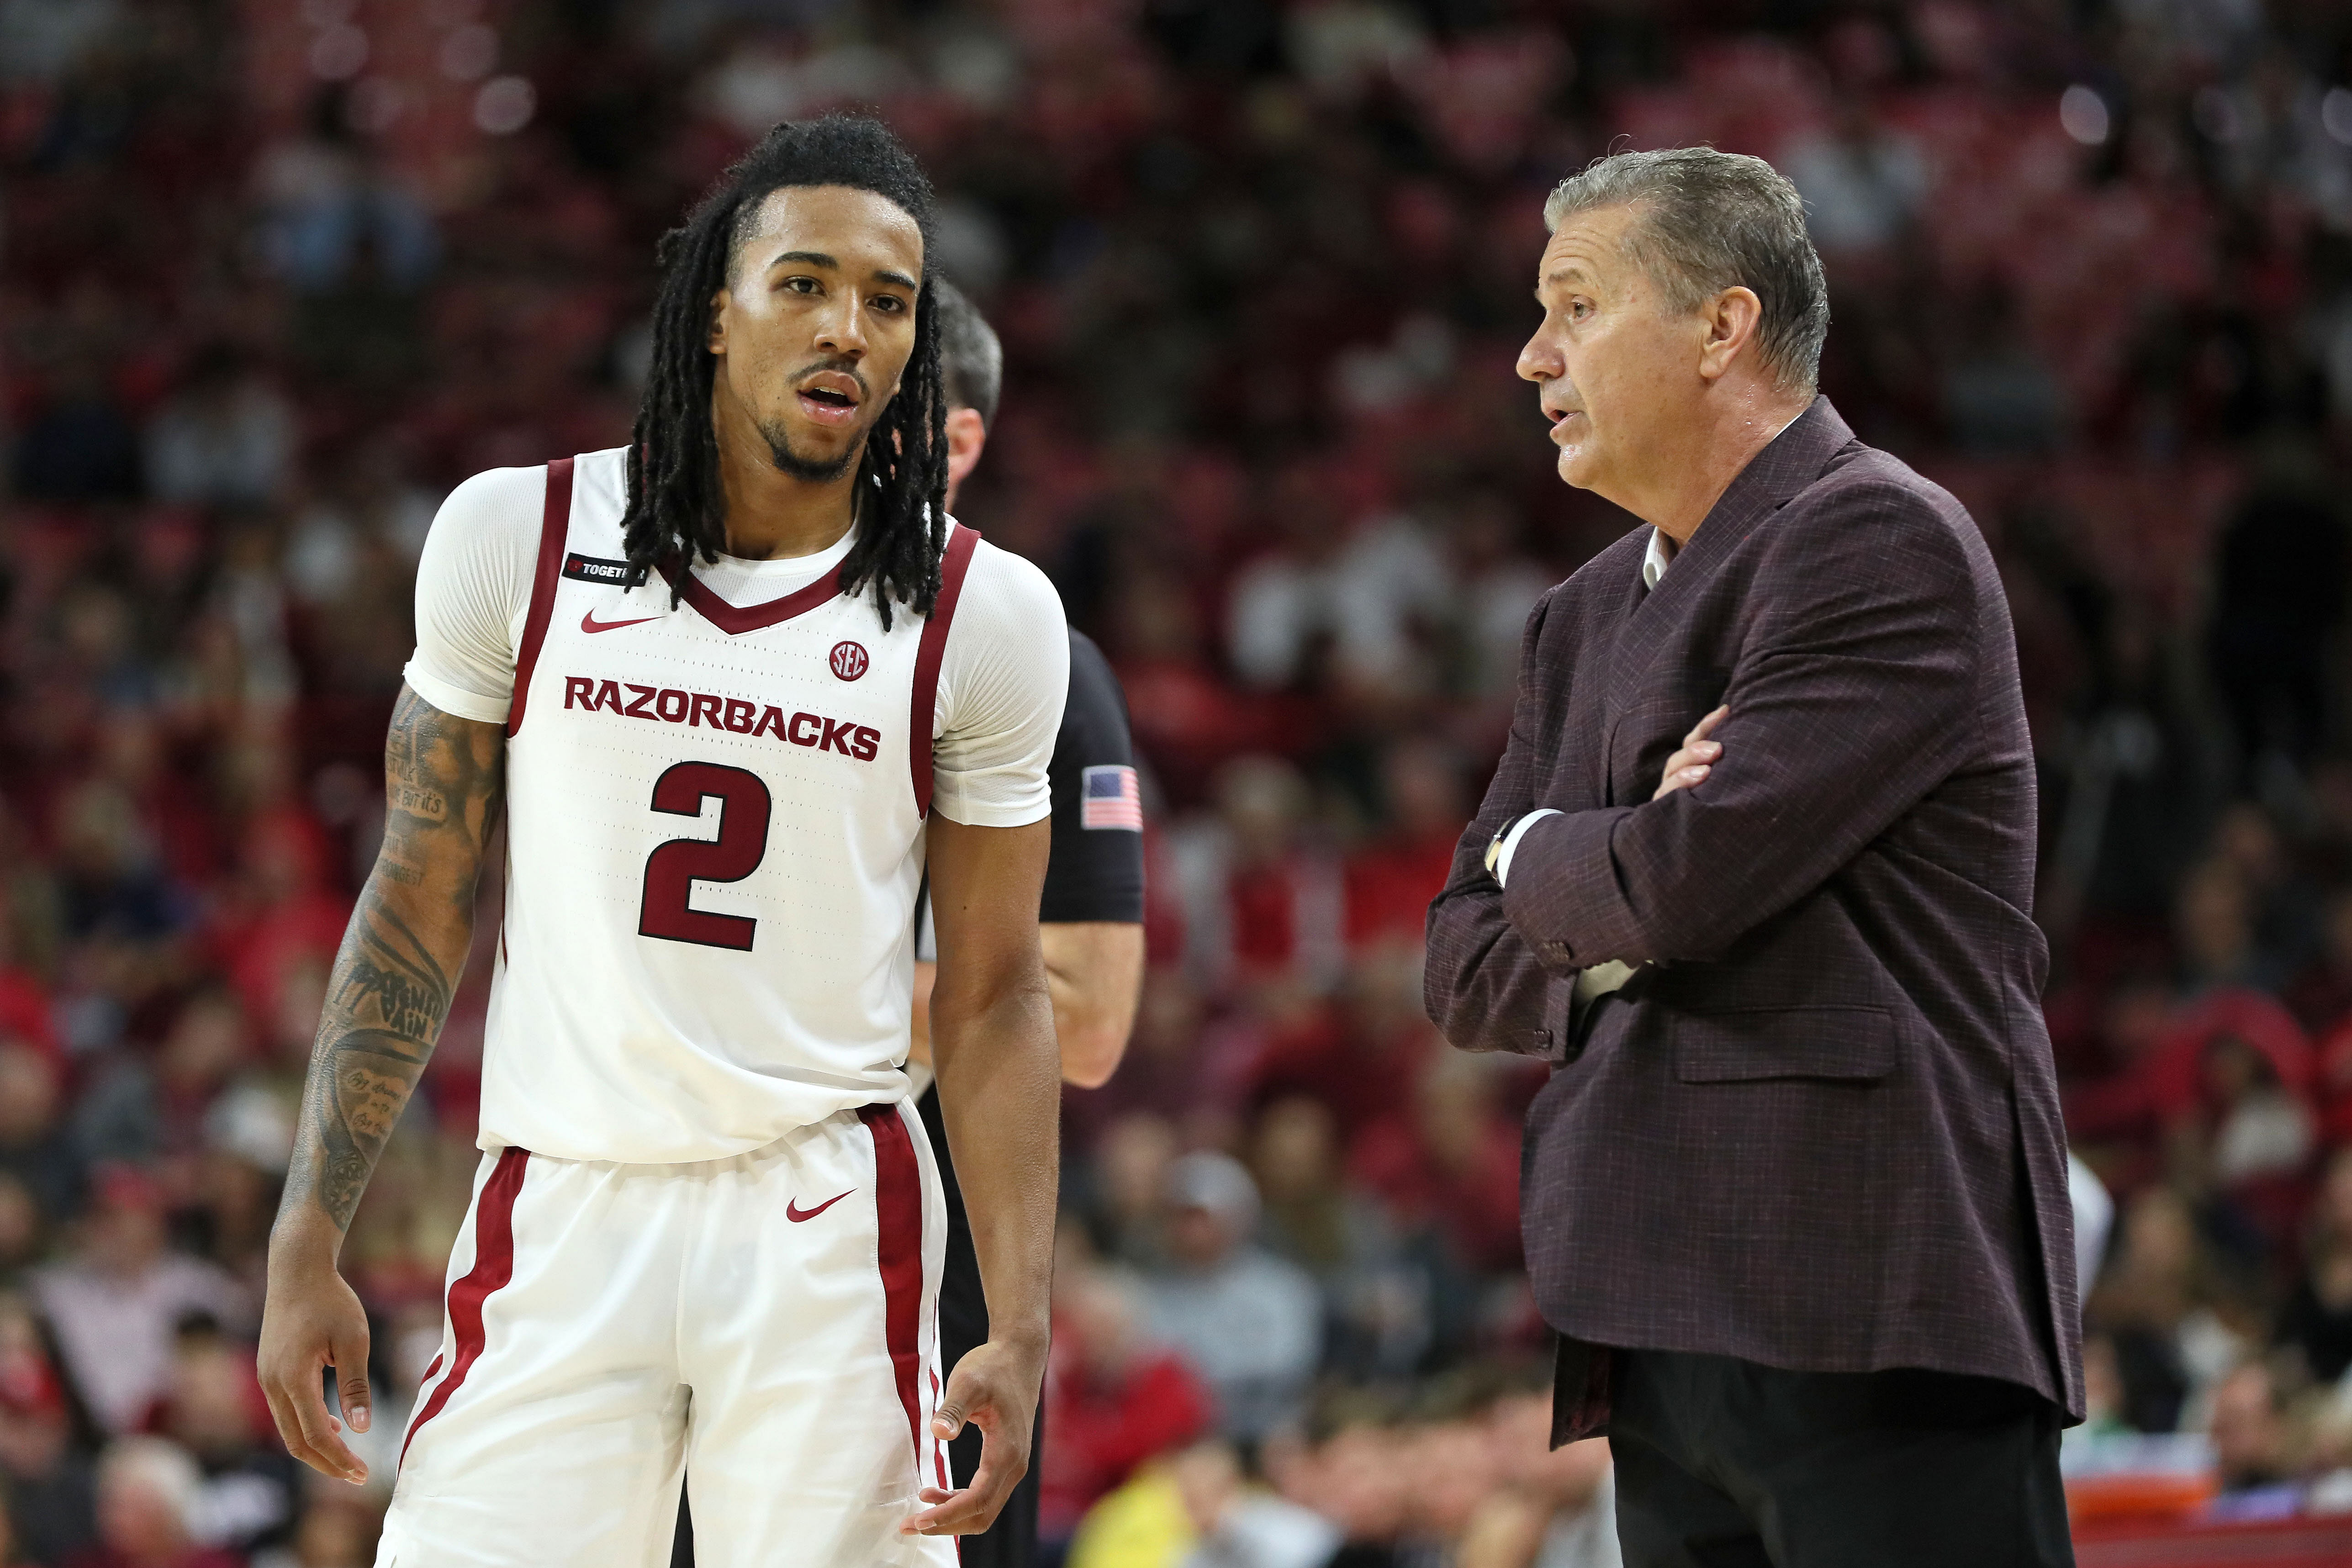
(994, 1387)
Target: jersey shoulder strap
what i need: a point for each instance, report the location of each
(921, 741)
(554, 529)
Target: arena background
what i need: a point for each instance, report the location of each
(277, 275)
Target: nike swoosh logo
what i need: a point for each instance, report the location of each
(795, 1213)
(589, 623)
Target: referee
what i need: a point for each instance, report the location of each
(1090, 924)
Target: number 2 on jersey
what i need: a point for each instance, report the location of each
(673, 869)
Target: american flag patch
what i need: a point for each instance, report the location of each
(1111, 799)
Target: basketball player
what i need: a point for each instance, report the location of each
(734, 688)
(1091, 927)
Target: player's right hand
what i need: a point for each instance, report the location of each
(312, 1320)
(1689, 767)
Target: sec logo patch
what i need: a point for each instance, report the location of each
(848, 659)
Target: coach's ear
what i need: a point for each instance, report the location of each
(1726, 327)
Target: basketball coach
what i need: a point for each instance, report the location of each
(1756, 874)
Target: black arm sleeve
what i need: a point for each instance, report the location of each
(1096, 873)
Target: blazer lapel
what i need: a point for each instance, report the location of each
(1795, 458)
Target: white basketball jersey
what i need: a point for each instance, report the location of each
(714, 837)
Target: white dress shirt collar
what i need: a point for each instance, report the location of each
(1656, 560)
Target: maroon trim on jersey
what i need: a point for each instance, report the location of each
(898, 1217)
(493, 1267)
(735, 619)
(927, 654)
(554, 531)
(938, 1450)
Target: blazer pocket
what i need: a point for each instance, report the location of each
(1845, 1045)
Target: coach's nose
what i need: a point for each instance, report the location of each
(1540, 360)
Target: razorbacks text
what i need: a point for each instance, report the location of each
(669, 705)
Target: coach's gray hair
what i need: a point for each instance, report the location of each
(971, 359)
(1707, 221)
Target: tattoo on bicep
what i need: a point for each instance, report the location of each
(398, 968)
(443, 775)
(416, 800)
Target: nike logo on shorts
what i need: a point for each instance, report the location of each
(589, 623)
(795, 1213)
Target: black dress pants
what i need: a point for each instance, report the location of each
(1723, 1463)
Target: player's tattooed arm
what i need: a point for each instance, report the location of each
(445, 782)
(393, 980)
(384, 1011)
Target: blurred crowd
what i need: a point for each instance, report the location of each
(275, 276)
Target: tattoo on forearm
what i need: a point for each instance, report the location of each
(398, 968)
(397, 977)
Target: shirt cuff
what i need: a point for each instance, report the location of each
(1511, 845)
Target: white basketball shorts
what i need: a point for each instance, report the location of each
(765, 1324)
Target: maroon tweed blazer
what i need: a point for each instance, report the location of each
(1819, 1129)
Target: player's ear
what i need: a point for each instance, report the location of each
(715, 339)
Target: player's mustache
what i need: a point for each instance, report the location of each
(838, 366)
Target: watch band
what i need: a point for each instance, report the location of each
(1502, 836)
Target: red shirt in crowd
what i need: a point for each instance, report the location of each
(1470, 1193)
(1103, 1427)
(1363, 1073)
(25, 1013)
(1390, 886)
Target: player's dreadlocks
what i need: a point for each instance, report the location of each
(674, 489)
